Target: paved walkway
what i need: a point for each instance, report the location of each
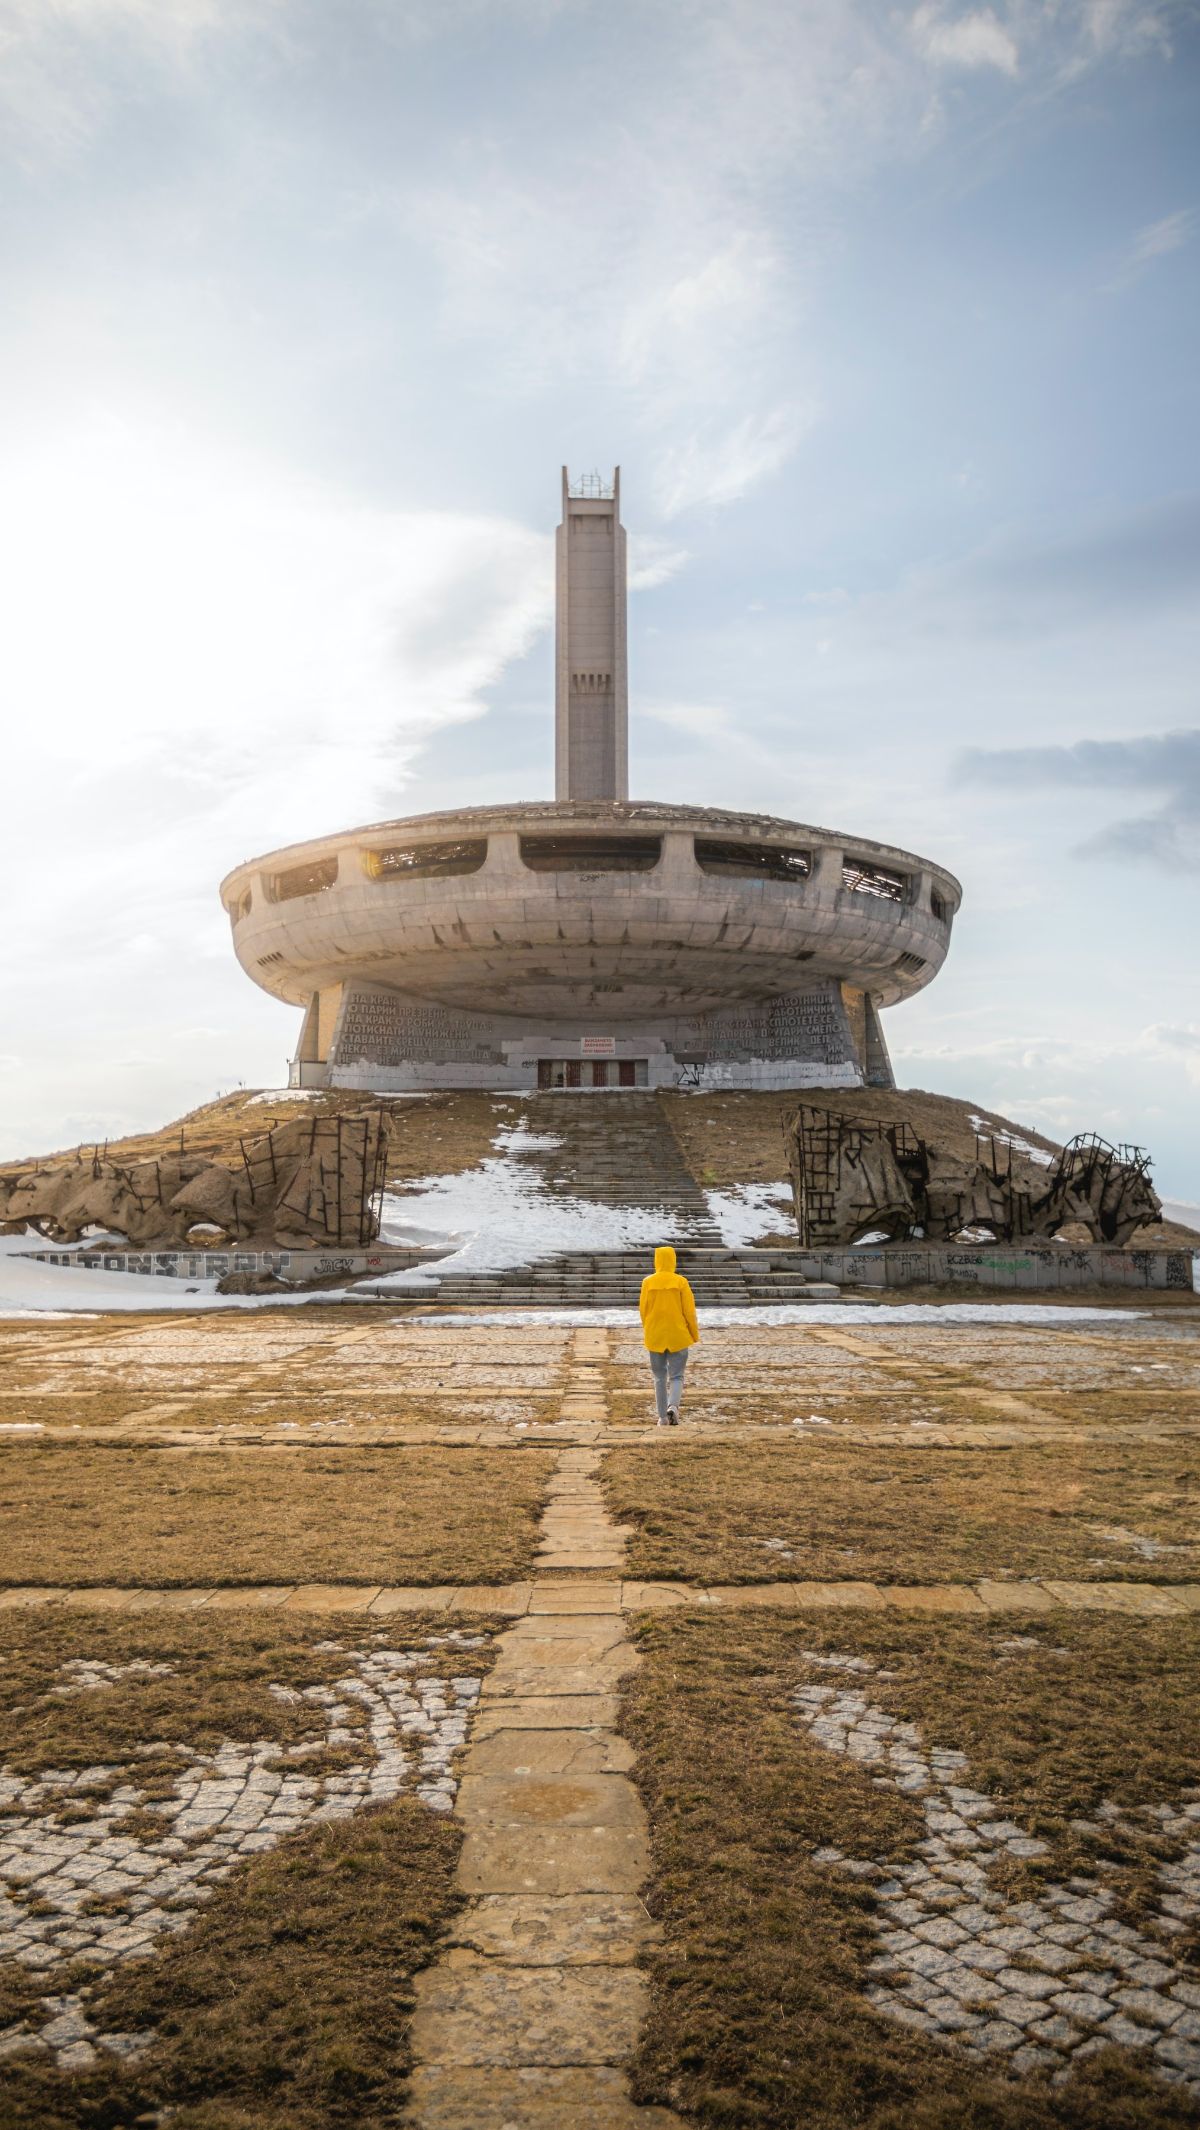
(595, 1593)
(534, 2008)
(527, 2019)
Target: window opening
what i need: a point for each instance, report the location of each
(752, 861)
(425, 861)
(863, 878)
(591, 854)
(311, 879)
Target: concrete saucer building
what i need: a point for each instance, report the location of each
(592, 941)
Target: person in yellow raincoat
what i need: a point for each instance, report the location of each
(669, 1328)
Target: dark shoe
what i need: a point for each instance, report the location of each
(672, 1416)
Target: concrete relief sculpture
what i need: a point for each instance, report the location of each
(853, 1178)
(316, 1180)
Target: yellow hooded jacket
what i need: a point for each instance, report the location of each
(667, 1307)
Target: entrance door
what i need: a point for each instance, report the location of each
(591, 1072)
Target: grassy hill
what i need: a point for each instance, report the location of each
(727, 1139)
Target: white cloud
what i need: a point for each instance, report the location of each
(1156, 241)
(713, 466)
(62, 61)
(653, 561)
(205, 656)
(974, 40)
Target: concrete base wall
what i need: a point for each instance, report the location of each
(389, 1041)
(1000, 1265)
(215, 1264)
(998, 1268)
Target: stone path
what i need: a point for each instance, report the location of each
(526, 2021)
(534, 2007)
(591, 1549)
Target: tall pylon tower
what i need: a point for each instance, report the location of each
(591, 682)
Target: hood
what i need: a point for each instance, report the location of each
(664, 1258)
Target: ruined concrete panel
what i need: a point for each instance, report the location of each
(853, 1178)
(314, 1180)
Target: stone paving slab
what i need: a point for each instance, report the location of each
(489, 2013)
(508, 1598)
(553, 1680)
(544, 1712)
(551, 1752)
(332, 1597)
(1142, 1598)
(727, 1594)
(593, 1595)
(597, 1641)
(534, 1800)
(1015, 1597)
(933, 1597)
(450, 2097)
(545, 1860)
(865, 1597)
(567, 1930)
(658, 1597)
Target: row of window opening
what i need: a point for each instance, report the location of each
(588, 854)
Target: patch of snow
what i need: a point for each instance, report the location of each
(31, 1288)
(310, 1094)
(750, 1210)
(500, 1215)
(987, 1130)
(1180, 1209)
(284, 1094)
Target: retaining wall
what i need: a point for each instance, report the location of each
(1002, 1265)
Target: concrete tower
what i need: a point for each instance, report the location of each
(591, 940)
(591, 689)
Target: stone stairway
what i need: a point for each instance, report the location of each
(612, 1279)
(619, 1150)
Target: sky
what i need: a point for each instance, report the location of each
(888, 312)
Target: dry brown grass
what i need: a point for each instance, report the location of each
(718, 1512)
(758, 2019)
(439, 1136)
(99, 1515)
(286, 2003)
(738, 1137)
(223, 1664)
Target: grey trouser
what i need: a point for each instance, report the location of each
(667, 1370)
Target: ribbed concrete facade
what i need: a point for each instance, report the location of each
(591, 684)
(593, 942)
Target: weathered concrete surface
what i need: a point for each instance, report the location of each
(450, 2097)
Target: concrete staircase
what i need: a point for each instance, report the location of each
(619, 1150)
(612, 1279)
